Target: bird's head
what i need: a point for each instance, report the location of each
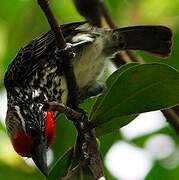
(31, 131)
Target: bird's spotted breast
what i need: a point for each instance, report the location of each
(51, 83)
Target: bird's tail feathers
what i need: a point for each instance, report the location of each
(156, 40)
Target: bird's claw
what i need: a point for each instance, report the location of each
(82, 121)
(65, 53)
(84, 115)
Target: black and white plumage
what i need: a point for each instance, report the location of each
(35, 76)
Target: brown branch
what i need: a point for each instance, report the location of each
(124, 56)
(172, 116)
(44, 4)
(87, 136)
(121, 59)
(106, 15)
(95, 163)
(94, 157)
(62, 108)
(135, 57)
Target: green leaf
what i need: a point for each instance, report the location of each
(105, 144)
(111, 80)
(107, 141)
(116, 123)
(61, 167)
(168, 131)
(18, 171)
(83, 173)
(65, 136)
(2, 128)
(163, 170)
(88, 104)
(113, 125)
(141, 88)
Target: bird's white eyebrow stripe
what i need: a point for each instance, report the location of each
(20, 117)
(82, 37)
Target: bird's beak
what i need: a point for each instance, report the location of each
(39, 157)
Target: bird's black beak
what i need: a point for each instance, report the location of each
(39, 157)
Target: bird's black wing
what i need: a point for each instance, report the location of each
(33, 55)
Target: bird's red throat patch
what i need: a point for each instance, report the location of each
(50, 128)
(23, 143)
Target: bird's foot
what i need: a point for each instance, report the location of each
(65, 53)
(82, 122)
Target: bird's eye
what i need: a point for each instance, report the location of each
(33, 131)
(35, 134)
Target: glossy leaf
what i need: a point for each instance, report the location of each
(2, 128)
(105, 144)
(116, 123)
(111, 80)
(61, 167)
(82, 174)
(141, 88)
(65, 136)
(113, 125)
(162, 170)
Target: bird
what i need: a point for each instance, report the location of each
(35, 77)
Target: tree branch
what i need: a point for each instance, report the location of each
(86, 135)
(106, 15)
(44, 4)
(172, 117)
(95, 163)
(62, 108)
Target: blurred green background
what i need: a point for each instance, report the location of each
(22, 20)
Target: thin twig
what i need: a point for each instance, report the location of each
(106, 15)
(62, 108)
(121, 59)
(44, 4)
(95, 163)
(172, 117)
(135, 57)
(86, 135)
